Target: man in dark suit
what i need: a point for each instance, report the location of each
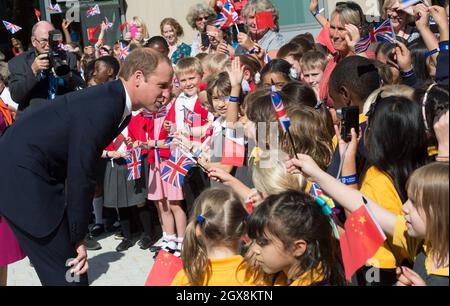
(30, 74)
(47, 179)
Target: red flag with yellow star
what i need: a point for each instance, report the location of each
(164, 269)
(361, 240)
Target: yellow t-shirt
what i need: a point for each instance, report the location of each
(304, 280)
(411, 246)
(379, 187)
(362, 119)
(224, 272)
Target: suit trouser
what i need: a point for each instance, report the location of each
(50, 255)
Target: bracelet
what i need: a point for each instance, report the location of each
(349, 180)
(432, 52)
(407, 74)
(234, 99)
(316, 13)
(107, 155)
(443, 45)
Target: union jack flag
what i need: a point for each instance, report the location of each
(134, 164)
(124, 51)
(12, 28)
(407, 3)
(189, 116)
(177, 167)
(228, 17)
(315, 190)
(161, 113)
(54, 8)
(93, 10)
(108, 24)
(280, 112)
(381, 32)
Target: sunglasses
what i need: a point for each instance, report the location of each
(202, 18)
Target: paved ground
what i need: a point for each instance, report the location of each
(106, 267)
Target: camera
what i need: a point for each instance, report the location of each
(205, 40)
(349, 119)
(57, 56)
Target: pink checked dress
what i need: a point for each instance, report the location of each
(157, 188)
(10, 250)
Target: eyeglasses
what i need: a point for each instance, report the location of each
(202, 18)
(42, 42)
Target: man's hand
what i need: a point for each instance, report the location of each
(40, 63)
(80, 264)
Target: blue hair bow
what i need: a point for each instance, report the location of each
(200, 219)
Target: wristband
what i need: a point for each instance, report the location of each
(407, 74)
(349, 180)
(107, 155)
(233, 99)
(443, 46)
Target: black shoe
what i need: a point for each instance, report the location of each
(97, 230)
(92, 245)
(119, 235)
(145, 243)
(124, 245)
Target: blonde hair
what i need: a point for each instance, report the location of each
(349, 13)
(428, 189)
(142, 59)
(310, 135)
(313, 60)
(258, 6)
(270, 175)
(222, 221)
(197, 10)
(388, 91)
(179, 32)
(388, 4)
(215, 63)
(188, 65)
(140, 23)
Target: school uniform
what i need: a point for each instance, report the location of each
(420, 254)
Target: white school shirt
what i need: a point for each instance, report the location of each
(188, 102)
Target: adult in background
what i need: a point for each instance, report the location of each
(172, 32)
(53, 152)
(31, 77)
(198, 16)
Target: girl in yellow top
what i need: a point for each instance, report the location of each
(293, 242)
(210, 251)
(395, 146)
(422, 230)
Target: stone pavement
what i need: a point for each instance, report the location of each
(106, 266)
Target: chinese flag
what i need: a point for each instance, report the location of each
(324, 39)
(164, 269)
(122, 26)
(91, 33)
(233, 152)
(264, 20)
(361, 240)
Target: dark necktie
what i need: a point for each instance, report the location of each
(124, 123)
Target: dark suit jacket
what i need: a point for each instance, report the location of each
(49, 159)
(25, 86)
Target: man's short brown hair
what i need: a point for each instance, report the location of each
(142, 59)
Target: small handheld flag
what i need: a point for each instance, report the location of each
(108, 24)
(93, 11)
(280, 112)
(12, 28)
(124, 51)
(55, 8)
(134, 164)
(177, 167)
(407, 3)
(37, 13)
(264, 20)
(381, 32)
(227, 17)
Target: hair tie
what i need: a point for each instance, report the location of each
(200, 219)
(327, 206)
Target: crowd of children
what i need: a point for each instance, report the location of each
(252, 217)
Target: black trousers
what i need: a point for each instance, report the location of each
(50, 255)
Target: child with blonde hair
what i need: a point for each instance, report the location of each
(210, 253)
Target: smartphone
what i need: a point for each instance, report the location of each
(205, 40)
(349, 119)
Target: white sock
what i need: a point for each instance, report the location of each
(179, 241)
(171, 244)
(97, 203)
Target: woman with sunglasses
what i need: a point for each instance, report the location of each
(198, 17)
